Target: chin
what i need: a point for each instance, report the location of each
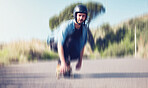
(80, 22)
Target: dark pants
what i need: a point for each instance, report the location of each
(70, 50)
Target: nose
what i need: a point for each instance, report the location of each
(81, 17)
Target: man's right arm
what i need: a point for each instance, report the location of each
(64, 30)
(62, 58)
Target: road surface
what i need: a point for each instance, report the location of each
(108, 73)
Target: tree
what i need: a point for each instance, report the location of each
(106, 27)
(94, 9)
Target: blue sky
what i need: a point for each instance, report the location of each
(28, 19)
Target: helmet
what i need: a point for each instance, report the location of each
(79, 9)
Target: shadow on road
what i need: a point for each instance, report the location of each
(111, 75)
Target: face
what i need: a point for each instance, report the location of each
(81, 17)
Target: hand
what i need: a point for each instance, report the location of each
(63, 67)
(78, 66)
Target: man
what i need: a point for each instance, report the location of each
(70, 39)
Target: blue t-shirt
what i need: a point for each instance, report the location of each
(65, 29)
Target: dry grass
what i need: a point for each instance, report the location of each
(142, 48)
(25, 51)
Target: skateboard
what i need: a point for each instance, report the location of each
(67, 74)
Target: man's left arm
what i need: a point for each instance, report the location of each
(78, 66)
(81, 55)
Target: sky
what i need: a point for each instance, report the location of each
(29, 19)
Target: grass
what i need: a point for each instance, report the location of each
(119, 41)
(25, 51)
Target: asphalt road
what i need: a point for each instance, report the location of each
(108, 73)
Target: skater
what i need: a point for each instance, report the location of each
(70, 39)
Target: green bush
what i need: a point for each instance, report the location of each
(122, 49)
(125, 47)
(48, 55)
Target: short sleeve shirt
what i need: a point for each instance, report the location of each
(67, 28)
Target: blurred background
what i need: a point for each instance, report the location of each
(26, 24)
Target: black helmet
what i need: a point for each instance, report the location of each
(79, 9)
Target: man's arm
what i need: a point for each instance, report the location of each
(61, 55)
(81, 55)
(78, 66)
